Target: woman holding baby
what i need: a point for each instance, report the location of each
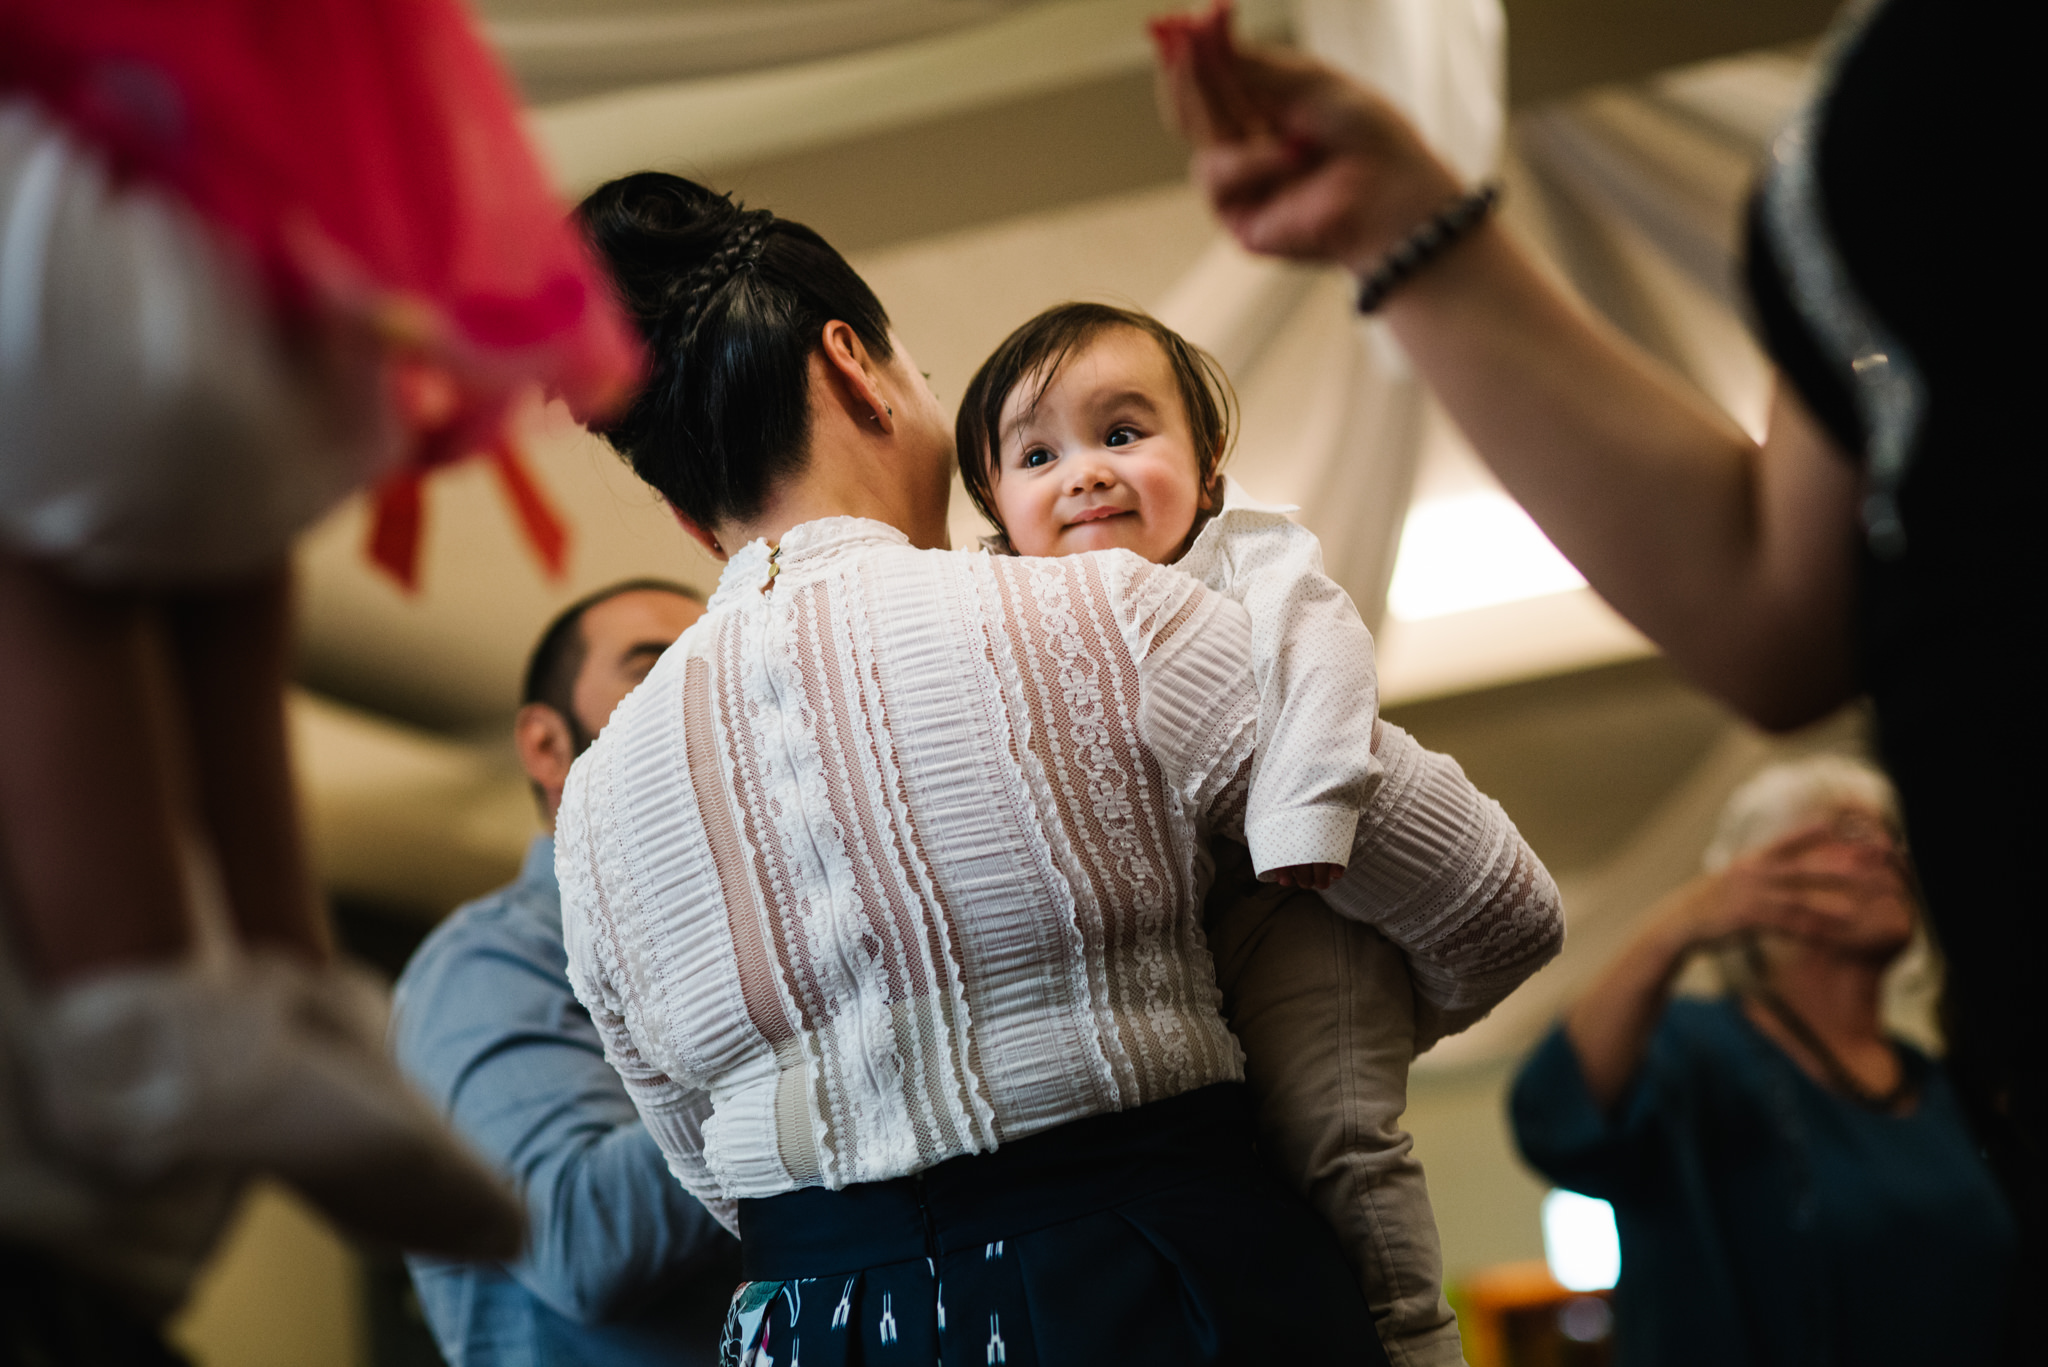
(886, 887)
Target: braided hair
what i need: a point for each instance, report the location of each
(731, 302)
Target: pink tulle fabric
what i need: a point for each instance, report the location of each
(368, 155)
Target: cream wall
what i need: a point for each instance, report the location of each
(1486, 1200)
(282, 1291)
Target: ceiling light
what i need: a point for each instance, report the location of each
(1580, 1242)
(1473, 550)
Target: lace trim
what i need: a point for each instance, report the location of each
(1042, 761)
(743, 683)
(1008, 712)
(1154, 970)
(1099, 824)
(817, 829)
(1168, 620)
(833, 536)
(1163, 919)
(761, 981)
(895, 958)
(1504, 937)
(804, 547)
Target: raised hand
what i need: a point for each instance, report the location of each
(1297, 159)
(1838, 883)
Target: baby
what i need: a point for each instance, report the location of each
(1094, 427)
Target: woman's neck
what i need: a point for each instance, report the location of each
(806, 500)
(1839, 997)
(888, 465)
(1836, 1003)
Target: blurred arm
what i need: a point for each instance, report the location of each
(496, 1037)
(1609, 1028)
(232, 651)
(1812, 884)
(84, 774)
(1737, 559)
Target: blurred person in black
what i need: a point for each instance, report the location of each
(1882, 538)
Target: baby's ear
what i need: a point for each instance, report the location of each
(1212, 492)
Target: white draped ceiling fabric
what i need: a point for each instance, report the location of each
(1634, 193)
(1334, 419)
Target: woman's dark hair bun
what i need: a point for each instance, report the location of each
(730, 301)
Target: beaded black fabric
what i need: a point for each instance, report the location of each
(1425, 244)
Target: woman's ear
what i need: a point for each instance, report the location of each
(859, 377)
(702, 537)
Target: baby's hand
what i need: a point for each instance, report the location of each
(1313, 877)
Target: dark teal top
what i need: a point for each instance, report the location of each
(1766, 1219)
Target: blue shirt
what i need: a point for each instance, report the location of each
(622, 1266)
(1767, 1219)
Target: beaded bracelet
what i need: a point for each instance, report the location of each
(1425, 244)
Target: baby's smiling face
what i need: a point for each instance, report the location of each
(1104, 459)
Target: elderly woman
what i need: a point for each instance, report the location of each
(884, 887)
(1792, 1184)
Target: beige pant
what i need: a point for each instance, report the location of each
(1326, 1015)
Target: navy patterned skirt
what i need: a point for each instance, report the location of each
(1153, 1236)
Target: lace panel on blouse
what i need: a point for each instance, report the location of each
(1131, 870)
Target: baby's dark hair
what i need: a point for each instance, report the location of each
(1041, 347)
(731, 302)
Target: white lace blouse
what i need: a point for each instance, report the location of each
(899, 854)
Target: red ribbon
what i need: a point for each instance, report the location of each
(394, 544)
(399, 515)
(545, 531)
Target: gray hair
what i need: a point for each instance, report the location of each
(1780, 798)
(1774, 802)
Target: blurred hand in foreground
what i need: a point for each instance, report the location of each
(1298, 160)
